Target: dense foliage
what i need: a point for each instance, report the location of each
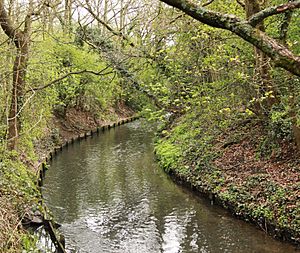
(209, 88)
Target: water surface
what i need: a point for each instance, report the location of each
(110, 196)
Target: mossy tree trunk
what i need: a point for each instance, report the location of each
(280, 55)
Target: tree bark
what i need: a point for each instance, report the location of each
(68, 16)
(21, 41)
(19, 73)
(281, 56)
(262, 65)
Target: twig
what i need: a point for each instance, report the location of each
(208, 3)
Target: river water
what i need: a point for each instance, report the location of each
(110, 196)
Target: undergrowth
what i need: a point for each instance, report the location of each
(18, 193)
(243, 163)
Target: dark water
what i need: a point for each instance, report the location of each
(110, 196)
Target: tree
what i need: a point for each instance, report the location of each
(268, 50)
(21, 40)
(247, 29)
(68, 16)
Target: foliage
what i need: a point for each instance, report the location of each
(18, 193)
(196, 81)
(79, 90)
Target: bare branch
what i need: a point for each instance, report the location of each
(208, 3)
(175, 19)
(241, 3)
(108, 27)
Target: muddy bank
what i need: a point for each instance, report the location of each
(74, 122)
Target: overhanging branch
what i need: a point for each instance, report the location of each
(281, 55)
(99, 73)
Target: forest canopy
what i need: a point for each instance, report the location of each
(90, 54)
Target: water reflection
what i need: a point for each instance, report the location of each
(110, 196)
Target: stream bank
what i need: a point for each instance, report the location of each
(119, 200)
(227, 166)
(20, 198)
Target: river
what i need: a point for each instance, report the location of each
(110, 196)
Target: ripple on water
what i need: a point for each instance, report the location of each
(110, 196)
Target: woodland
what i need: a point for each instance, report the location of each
(222, 79)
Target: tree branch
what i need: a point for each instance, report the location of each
(241, 3)
(208, 3)
(283, 32)
(281, 55)
(274, 10)
(107, 26)
(12, 32)
(99, 73)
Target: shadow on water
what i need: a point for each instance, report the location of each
(110, 196)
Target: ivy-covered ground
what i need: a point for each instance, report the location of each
(240, 166)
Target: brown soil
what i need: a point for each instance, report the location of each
(242, 159)
(263, 179)
(76, 122)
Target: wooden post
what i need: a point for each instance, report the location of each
(50, 229)
(44, 167)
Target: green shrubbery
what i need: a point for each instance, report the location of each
(18, 195)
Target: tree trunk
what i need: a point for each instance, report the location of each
(105, 18)
(19, 73)
(68, 16)
(21, 40)
(262, 65)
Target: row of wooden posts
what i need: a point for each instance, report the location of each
(48, 223)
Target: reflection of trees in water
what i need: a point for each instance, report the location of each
(110, 191)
